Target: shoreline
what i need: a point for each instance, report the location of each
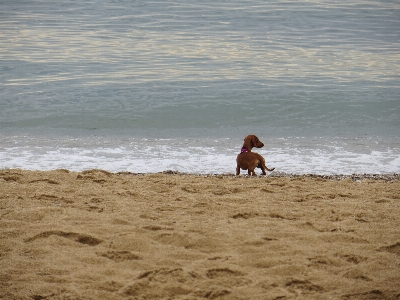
(355, 177)
(337, 177)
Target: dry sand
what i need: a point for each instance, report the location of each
(97, 235)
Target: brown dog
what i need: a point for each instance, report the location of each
(248, 160)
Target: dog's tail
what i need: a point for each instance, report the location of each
(265, 167)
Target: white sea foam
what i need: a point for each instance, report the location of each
(297, 156)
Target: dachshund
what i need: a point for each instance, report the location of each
(248, 160)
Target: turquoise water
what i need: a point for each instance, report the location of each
(318, 81)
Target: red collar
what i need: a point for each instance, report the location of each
(244, 150)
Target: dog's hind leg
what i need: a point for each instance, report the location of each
(262, 169)
(251, 172)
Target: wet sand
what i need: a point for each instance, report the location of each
(98, 235)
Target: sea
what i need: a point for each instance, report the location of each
(151, 86)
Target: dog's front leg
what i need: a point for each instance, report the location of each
(237, 169)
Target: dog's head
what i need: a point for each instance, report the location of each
(255, 142)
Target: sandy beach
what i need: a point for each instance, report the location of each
(100, 235)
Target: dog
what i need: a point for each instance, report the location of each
(248, 160)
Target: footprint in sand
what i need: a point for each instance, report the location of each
(50, 181)
(227, 277)
(223, 272)
(356, 274)
(119, 255)
(303, 286)
(160, 284)
(216, 292)
(373, 294)
(76, 237)
(352, 258)
(10, 177)
(395, 248)
(157, 228)
(245, 215)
